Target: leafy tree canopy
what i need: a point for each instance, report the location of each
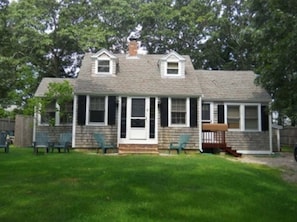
(48, 38)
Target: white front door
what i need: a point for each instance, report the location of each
(138, 118)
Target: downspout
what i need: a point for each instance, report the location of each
(200, 123)
(74, 120)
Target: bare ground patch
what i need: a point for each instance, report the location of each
(283, 160)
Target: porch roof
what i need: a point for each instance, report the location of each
(231, 86)
(137, 76)
(43, 86)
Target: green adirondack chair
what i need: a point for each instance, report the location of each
(181, 144)
(101, 143)
(41, 141)
(63, 143)
(4, 142)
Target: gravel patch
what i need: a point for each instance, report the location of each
(283, 161)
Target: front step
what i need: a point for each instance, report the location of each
(138, 149)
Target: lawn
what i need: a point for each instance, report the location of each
(90, 187)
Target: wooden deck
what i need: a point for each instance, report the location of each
(213, 137)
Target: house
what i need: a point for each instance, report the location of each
(144, 102)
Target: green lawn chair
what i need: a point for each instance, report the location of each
(41, 141)
(63, 143)
(4, 143)
(181, 144)
(101, 143)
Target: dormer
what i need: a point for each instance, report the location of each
(172, 65)
(104, 63)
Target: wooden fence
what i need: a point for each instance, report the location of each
(288, 136)
(7, 124)
(23, 131)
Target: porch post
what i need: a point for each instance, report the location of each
(200, 123)
(74, 113)
(270, 130)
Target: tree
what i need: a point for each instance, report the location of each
(58, 92)
(275, 33)
(7, 63)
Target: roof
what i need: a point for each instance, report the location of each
(231, 86)
(138, 76)
(43, 86)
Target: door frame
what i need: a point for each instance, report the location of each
(128, 139)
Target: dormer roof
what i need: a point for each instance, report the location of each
(104, 53)
(172, 55)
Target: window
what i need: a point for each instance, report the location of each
(179, 111)
(54, 114)
(251, 118)
(243, 117)
(233, 117)
(66, 113)
(206, 113)
(103, 66)
(97, 109)
(48, 116)
(172, 68)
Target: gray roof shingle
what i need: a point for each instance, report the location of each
(43, 86)
(137, 76)
(231, 86)
(141, 77)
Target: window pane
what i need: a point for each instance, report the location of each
(251, 118)
(138, 107)
(49, 114)
(172, 68)
(178, 111)
(233, 117)
(206, 112)
(66, 113)
(97, 116)
(97, 103)
(103, 65)
(97, 109)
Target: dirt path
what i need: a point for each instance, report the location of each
(283, 161)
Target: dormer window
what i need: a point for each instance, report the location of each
(172, 68)
(103, 66)
(104, 63)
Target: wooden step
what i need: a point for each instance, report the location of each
(229, 150)
(138, 149)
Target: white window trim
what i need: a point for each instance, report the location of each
(187, 124)
(88, 112)
(242, 116)
(97, 63)
(211, 112)
(179, 68)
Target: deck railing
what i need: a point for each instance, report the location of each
(213, 135)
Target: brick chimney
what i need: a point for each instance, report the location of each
(133, 47)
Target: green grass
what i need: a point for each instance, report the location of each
(83, 187)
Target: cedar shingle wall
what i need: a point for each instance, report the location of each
(84, 135)
(55, 131)
(248, 140)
